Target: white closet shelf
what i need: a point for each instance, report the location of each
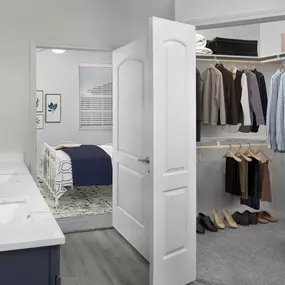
(252, 59)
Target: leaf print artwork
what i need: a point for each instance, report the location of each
(39, 122)
(37, 102)
(52, 107)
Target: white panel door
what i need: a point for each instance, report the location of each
(173, 236)
(132, 143)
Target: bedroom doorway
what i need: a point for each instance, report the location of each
(73, 108)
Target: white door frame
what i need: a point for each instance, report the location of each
(31, 152)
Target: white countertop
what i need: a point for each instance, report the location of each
(7, 167)
(25, 219)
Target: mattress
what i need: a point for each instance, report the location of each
(63, 175)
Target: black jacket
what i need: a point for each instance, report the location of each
(262, 90)
(198, 105)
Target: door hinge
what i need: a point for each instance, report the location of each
(57, 280)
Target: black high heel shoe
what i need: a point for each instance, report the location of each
(207, 223)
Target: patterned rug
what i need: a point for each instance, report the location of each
(80, 201)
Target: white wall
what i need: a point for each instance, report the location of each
(59, 74)
(246, 32)
(270, 37)
(209, 12)
(267, 34)
(101, 24)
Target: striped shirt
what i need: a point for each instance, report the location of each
(280, 131)
(271, 112)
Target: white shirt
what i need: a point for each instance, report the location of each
(245, 102)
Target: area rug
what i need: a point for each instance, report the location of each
(80, 201)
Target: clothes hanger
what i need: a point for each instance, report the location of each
(238, 153)
(251, 153)
(217, 63)
(282, 67)
(230, 154)
(260, 150)
(232, 68)
(252, 68)
(244, 68)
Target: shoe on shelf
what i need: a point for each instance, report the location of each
(229, 221)
(268, 217)
(252, 217)
(261, 219)
(241, 219)
(207, 223)
(217, 220)
(199, 228)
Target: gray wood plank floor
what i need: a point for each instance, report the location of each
(103, 258)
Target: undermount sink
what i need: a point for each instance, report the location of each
(14, 212)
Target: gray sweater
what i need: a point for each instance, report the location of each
(213, 101)
(254, 97)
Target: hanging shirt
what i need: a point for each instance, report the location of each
(230, 97)
(254, 96)
(241, 90)
(280, 131)
(273, 109)
(246, 128)
(245, 102)
(262, 91)
(237, 75)
(213, 100)
(272, 97)
(198, 105)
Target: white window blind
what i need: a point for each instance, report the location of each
(96, 102)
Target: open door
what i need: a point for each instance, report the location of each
(154, 155)
(173, 231)
(132, 145)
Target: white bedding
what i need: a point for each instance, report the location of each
(63, 176)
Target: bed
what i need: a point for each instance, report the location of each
(81, 165)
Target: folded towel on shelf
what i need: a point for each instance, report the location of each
(200, 41)
(203, 51)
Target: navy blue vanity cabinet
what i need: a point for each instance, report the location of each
(34, 266)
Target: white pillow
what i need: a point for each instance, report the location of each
(66, 144)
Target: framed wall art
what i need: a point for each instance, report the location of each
(40, 101)
(53, 108)
(40, 122)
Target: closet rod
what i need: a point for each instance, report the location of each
(229, 145)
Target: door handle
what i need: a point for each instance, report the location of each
(144, 160)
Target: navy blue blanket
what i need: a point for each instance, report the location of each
(91, 165)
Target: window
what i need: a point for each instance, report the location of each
(96, 102)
